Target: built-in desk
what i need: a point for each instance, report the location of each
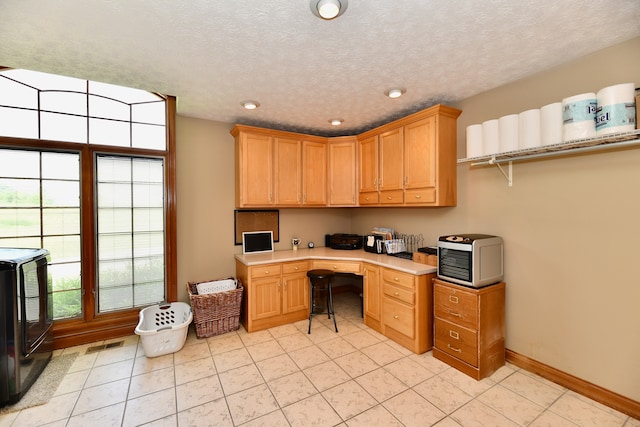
(397, 294)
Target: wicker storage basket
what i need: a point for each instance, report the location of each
(215, 313)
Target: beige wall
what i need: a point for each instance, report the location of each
(570, 225)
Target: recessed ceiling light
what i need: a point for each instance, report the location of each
(336, 122)
(250, 105)
(328, 9)
(395, 93)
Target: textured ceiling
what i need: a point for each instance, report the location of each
(214, 54)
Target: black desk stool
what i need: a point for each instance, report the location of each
(320, 280)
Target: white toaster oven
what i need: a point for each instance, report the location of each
(474, 260)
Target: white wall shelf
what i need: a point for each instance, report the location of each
(608, 142)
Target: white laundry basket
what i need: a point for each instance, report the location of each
(163, 328)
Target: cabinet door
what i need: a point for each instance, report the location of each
(296, 293)
(420, 154)
(342, 173)
(265, 298)
(391, 160)
(255, 170)
(288, 171)
(314, 173)
(368, 165)
(372, 293)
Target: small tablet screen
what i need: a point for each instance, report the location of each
(257, 241)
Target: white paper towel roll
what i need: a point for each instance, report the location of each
(508, 126)
(529, 129)
(616, 109)
(551, 124)
(578, 117)
(490, 137)
(474, 141)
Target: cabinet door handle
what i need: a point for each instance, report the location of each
(453, 299)
(453, 313)
(454, 335)
(457, 350)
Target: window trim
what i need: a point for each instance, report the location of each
(91, 326)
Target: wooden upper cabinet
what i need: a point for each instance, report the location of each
(288, 172)
(417, 160)
(314, 173)
(419, 154)
(341, 178)
(368, 164)
(391, 160)
(254, 169)
(408, 162)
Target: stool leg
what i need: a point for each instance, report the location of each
(330, 301)
(310, 305)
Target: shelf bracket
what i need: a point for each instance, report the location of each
(509, 176)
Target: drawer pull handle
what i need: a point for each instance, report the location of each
(396, 293)
(454, 335)
(453, 299)
(266, 272)
(396, 279)
(457, 350)
(335, 267)
(388, 197)
(453, 313)
(395, 316)
(418, 196)
(296, 268)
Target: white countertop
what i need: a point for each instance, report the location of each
(338, 255)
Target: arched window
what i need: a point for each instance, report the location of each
(86, 172)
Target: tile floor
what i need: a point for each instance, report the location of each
(285, 377)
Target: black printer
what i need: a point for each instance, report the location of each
(344, 241)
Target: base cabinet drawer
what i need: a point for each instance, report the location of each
(354, 267)
(457, 341)
(399, 316)
(455, 305)
(399, 292)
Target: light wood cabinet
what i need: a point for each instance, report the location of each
(372, 296)
(469, 327)
(314, 173)
(295, 296)
(254, 170)
(407, 309)
(416, 160)
(397, 304)
(368, 170)
(275, 294)
(288, 171)
(342, 172)
(279, 169)
(391, 166)
(408, 162)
